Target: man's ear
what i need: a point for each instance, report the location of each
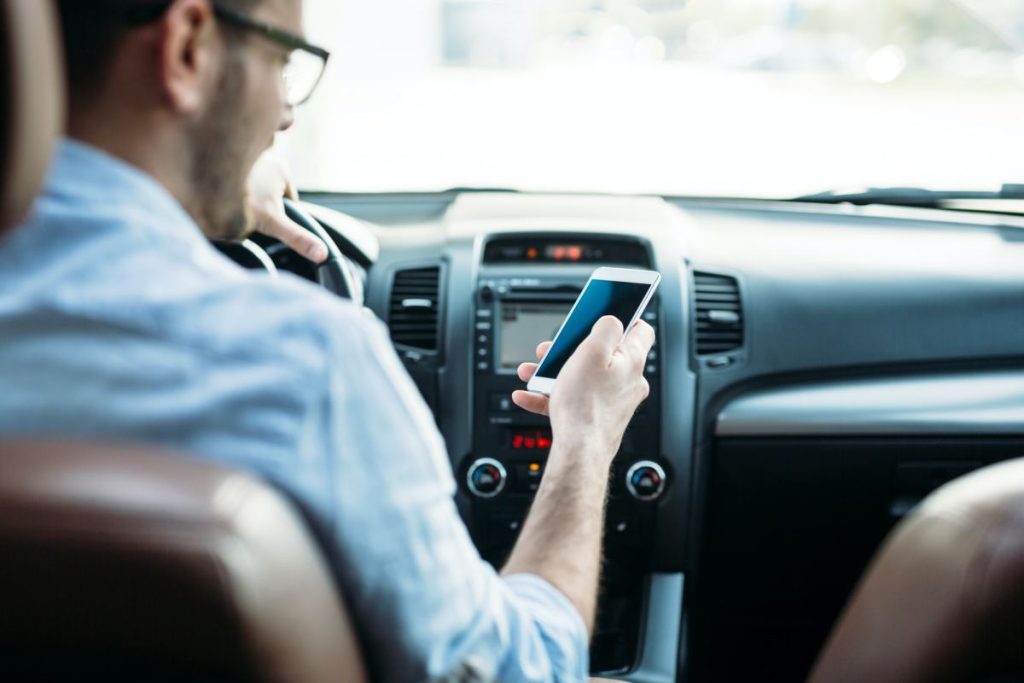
(188, 54)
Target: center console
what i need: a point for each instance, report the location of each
(524, 290)
(510, 451)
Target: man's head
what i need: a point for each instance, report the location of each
(191, 91)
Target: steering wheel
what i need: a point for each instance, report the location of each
(333, 274)
(260, 252)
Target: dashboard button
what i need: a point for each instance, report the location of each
(501, 403)
(620, 527)
(502, 531)
(506, 526)
(486, 478)
(528, 476)
(645, 480)
(625, 532)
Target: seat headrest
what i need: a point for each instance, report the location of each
(31, 84)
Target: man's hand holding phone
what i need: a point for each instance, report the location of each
(598, 389)
(597, 392)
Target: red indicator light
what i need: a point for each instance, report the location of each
(531, 253)
(574, 253)
(531, 440)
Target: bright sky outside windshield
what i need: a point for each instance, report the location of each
(734, 97)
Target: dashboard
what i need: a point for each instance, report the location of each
(818, 371)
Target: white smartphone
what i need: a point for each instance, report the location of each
(622, 292)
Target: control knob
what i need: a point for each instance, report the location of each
(645, 480)
(486, 478)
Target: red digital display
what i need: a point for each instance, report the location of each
(530, 439)
(565, 252)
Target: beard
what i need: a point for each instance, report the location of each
(219, 157)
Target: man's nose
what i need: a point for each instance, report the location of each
(287, 118)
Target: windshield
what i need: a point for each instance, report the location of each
(771, 98)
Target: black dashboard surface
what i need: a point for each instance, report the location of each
(826, 289)
(865, 289)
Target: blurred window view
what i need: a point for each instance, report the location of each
(772, 98)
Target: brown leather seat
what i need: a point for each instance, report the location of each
(131, 564)
(944, 599)
(123, 564)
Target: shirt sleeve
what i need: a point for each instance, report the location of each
(425, 600)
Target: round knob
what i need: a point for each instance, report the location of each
(486, 294)
(645, 480)
(486, 478)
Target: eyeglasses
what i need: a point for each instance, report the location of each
(306, 62)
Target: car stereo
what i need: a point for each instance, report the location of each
(510, 445)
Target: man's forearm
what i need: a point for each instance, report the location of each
(561, 540)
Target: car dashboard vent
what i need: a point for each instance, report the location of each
(413, 316)
(719, 313)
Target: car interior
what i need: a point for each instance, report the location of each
(826, 482)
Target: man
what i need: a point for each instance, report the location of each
(119, 320)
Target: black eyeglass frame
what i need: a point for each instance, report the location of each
(285, 39)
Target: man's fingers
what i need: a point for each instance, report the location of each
(542, 349)
(639, 340)
(607, 333)
(295, 236)
(526, 371)
(534, 403)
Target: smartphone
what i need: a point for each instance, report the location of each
(622, 292)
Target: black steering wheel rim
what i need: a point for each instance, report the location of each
(333, 274)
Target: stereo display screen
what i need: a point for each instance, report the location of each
(523, 326)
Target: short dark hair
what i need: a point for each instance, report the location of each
(92, 31)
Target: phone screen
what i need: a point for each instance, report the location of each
(600, 298)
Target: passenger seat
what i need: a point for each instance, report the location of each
(944, 599)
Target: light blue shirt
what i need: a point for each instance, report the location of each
(118, 319)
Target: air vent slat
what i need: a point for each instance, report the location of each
(716, 336)
(719, 314)
(413, 311)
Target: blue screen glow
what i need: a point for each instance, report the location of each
(601, 298)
